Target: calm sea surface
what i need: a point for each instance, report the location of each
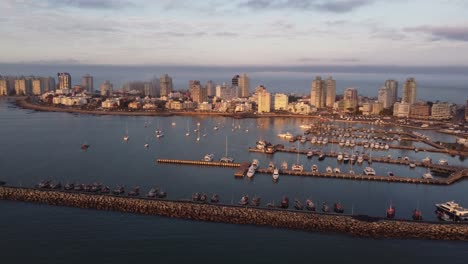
(35, 146)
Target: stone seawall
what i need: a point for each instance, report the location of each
(351, 225)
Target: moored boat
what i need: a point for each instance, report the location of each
(309, 154)
(118, 190)
(196, 197)
(215, 198)
(391, 212)
(84, 146)
(338, 208)
(454, 210)
(244, 200)
(162, 194)
(369, 171)
(298, 205)
(390, 174)
(285, 202)
(134, 192)
(256, 201)
(152, 193)
(325, 207)
(275, 174)
(208, 157)
(417, 215)
(310, 205)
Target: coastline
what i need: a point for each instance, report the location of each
(353, 225)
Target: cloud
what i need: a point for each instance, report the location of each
(333, 6)
(93, 4)
(458, 33)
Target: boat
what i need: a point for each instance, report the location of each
(134, 192)
(338, 208)
(443, 216)
(226, 159)
(325, 207)
(313, 140)
(346, 158)
(360, 159)
(215, 128)
(261, 145)
(208, 157)
(321, 156)
(105, 189)
(126, 137)
(69, 186)
(314, 168)
(285, 202)
(188, 130)
(284, 165)
(44, 184)
(159, 133)
(244, 200)
(310, 205)
(391, 212)
(329, 169)
(256, 201)
(203, 198)
(298, 205)
(427, 175)
(162, 194)
(250, 172)
(196, 197)
(55, 185)
(310, 154)
(78, 187)
(146, 145)
(369, 171)
(412, 165)
(255, 164)
(173, 123)
(340, 156)
(297, 167)
(454, 210)
(390, 174)
(427, 160)
(152, 193)
(351, 171)
(275, 174)
(118, 190)
(337, 170)
(443, 162)
(84, 146)
(215, 198)
(286, 135)
(417, 215)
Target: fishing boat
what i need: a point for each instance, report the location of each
(203, 198)
(152, 193)
(417, 215)
(44, 184)
(118, 190)
(285, 202)
(391, 212)
(105, 189)
(325, 207)
(215, 198)
(69, 186)
(298, 205)
(275, 174)
(244, 200)
(338, 208)
(226, 159)
(310, 205)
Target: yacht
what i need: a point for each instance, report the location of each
(255, 164)
(310, 205)
(284, 165)
(346, 158)
(314, 168)
(369, 171)
(286, 135)
(337, 170)
(250, 172)
(313, 140)
(208, 157)
(453, 210)
(443, 162)
(271, 165)
(412, 165)
(275, 174)
(244, 200)
(427, 160)
(297, 167)
(261, 145)
(386, 147)
(340, 156)
(329, 169)
(427, 175)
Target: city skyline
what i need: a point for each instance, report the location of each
(354, 32)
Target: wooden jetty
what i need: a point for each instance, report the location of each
(199, 163)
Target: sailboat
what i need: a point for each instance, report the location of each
(126, 137)
(204, 134)
(198, 134)
(188, 130)
(159, 133)
(296, 166)
(226, 159)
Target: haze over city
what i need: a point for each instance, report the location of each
(241, 32)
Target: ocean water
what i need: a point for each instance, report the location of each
(453, 81)
(40, 145)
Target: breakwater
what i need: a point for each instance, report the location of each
(359, 226)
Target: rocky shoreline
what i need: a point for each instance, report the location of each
(358, 226)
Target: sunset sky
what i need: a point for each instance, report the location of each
(237, 32)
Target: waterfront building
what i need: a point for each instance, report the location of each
(64, 80)
(87, 82)
(350, 100)
(149, 89)
(244, 86)
(318, 93)
(135, 105)
(401, 109)
(264, 101)
(386, 97)
(377, 107)
(165, 82)
(300, 108)
(330, 92)
(22, 86)
(37, 88)
(466, 111)
(441, 111)
(48, 84)
(392, 85)
(199, 93)
(205, 106)
(366, 108)
(420, 110)
(110, 103)
(409, 91)
(106, 88)
(281, 102)
(3, 87)
(210, 88)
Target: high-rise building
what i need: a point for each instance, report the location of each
(210, 88)
(149, 89)
(64, 80)
(318, 93)
(392, 85)
(22, 86)
(165, 84)
(199, 93)
(441, 111)
(350, 99)
(87, 82)
(401, 109)
(48, 83)
(264, 101)
(281, 102)
(409, 91)
(420, 110)
(244, 85)
(235, 80)
(386, 97)
(377, 107)
(3, 87)
(330, 92)
(37, 87)
(106, 88)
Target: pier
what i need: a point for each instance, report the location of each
(457, 173)
(353, 225)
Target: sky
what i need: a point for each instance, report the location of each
(235, 32)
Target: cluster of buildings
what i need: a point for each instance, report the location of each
(234, 96)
